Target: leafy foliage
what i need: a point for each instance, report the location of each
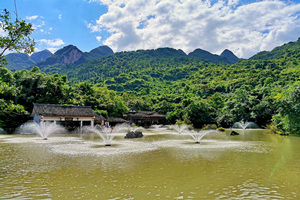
(16, 38)
(17, 34)
(185, 88)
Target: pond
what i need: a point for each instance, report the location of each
(161, 165)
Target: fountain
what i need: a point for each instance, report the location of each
(180, 128)
(198, 135)
(156, 126)
(82, 170)
(43, 129)
(134, 132)
(2, 131)
(245, 125)
(134, 129)
(106, 133)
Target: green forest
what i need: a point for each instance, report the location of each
(264, 89)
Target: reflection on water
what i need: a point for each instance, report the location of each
(161, 165)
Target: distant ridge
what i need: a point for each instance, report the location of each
(41, 55)
(209, 57)
(71, 55)
(231, 58)
(165, 52)
(67, 55)
(18, 61)
(287, 49)
(99, 52)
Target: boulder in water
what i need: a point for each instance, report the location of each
(135, 134)
(284, 134)
(234, 133)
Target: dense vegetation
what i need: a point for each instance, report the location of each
(197, 92)
(19, 61)
(265, 89)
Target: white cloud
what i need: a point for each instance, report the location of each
(31, 17)
(189, 24)
(52, 49)
(99, 38)
(39, 24)
(59, 16)
(51, 45)
(2, 32)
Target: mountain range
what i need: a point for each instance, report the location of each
(19, 61)
(226, 56)
(67, 55)
(103, 62)
(71, 55)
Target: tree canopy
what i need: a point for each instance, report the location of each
(265, 91)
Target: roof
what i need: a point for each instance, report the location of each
(99, 117)
(59, 110)
(116, 120)
(143, 114)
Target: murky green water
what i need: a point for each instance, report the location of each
(162, 165)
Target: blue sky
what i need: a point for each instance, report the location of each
(56, 21)
(244, 27)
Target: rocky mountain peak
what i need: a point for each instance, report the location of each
(69, 54)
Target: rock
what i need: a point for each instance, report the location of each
(284, 134)
(135, 134)
(234, 133)
(221, 129)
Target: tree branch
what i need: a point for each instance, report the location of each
(16, 11)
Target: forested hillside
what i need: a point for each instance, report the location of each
(126, 62)
(19, 61)
(185, 88)
(287, 50)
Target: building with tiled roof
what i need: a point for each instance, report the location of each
(145, 118)
(68, 116)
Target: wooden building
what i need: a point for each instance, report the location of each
(113, 121)
(99, 119)
(71, 117)
(144, 118)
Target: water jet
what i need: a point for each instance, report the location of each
(106, 133)
(245, 125)
(180, 128)
(156, 126)
(43, 129)
(198, 135)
